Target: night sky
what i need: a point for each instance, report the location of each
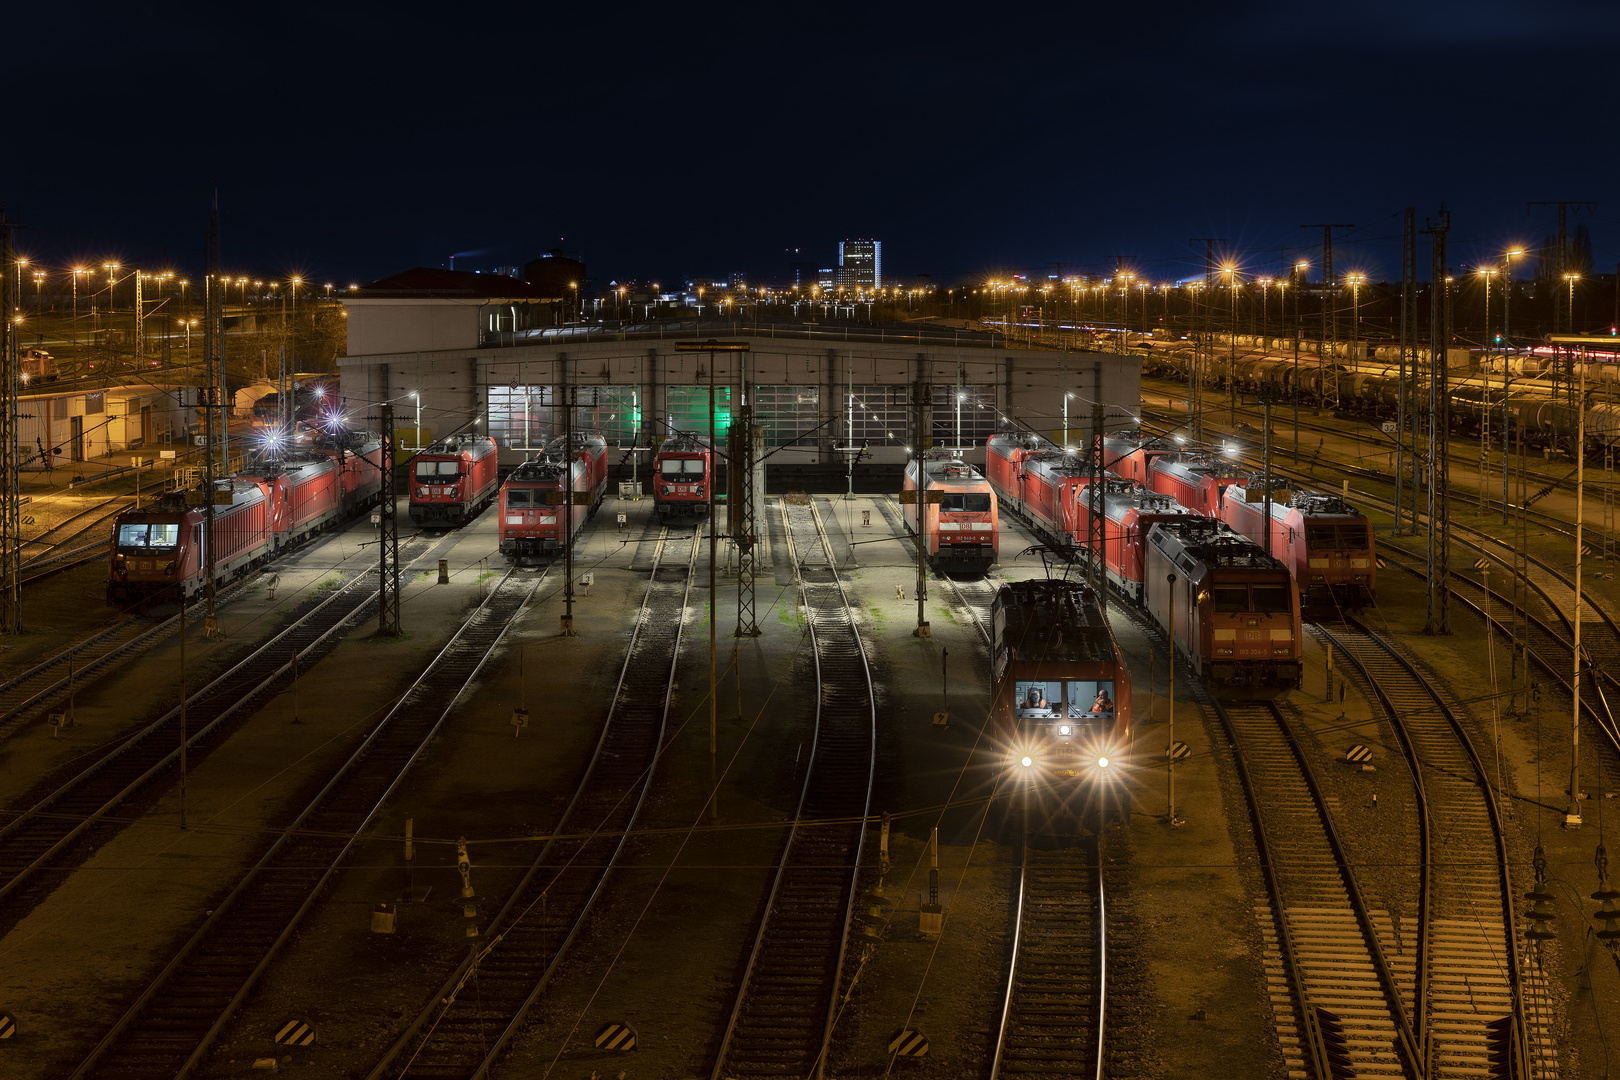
(350, 141)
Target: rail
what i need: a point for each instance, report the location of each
(1055, 1005)
(779, 1025)
(172, 1024)
(524, 949)
(1328, 944)
(39, 833)
(1461, 947)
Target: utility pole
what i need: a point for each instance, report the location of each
(566, 400)
(388, 535)
(740, 502)
(921, 396)
(1561, 253)
(1096, 535)
(10, 449)
(1330, 313)
(217, 452)
(1204, 342)
(1408, 353)
(1439, 621)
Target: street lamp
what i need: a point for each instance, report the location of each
(112, 270)
(1356, 281)
(1572, 278)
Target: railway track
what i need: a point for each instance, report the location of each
(43, 540)
(57, 822)
(1469, 969)
(782, 1019)
(527, 939)
(1337, 996)
(1545, 645)
(167, 1031)
(25, 695)
(1054, 1004)
(975, 597)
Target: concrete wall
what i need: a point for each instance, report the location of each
(384, 326)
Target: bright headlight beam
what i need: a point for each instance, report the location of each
(1102, 763)
(1027, 761)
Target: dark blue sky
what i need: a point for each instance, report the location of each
(354, 140)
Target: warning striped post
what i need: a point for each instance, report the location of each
(616, 1036)
(8, 1026)
(295, 1033)
(908, 1043)
(1358, 754)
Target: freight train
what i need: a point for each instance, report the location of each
(1131, 530)
(954, 516)
(157, 552)
(1529, 404)
(453, 480)
(1061, 702)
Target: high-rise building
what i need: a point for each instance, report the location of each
(860, 264)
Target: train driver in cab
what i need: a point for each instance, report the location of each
(1104, 705)
(1033, 699)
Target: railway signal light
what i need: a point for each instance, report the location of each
(469, 899)
(1539, 898)
(1606, 896)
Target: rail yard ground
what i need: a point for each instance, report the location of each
(663, 949)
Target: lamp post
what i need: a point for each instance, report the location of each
(1299, 326)
(1572, 278)
(77, 270)
(1507, 343)
(1356, 281)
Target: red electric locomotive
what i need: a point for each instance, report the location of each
(1062, 701)
(359, 457)
(957, 511)
(1232, 611)
(454, 479)
(303, 493)
(1325, 542)
(535, 503)
(1131, 456)
(683, 483)
(157, 553)
(1038, 484)
(591, 449)
(1129, 512)
(1195, 480)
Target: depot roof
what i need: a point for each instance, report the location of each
(428, 282)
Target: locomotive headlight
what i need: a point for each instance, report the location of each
(421, 492)
(170, 568)
(1065, 729)
(120, 565)
(1102, 763)
(1026, 761)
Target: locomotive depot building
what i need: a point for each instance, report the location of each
(459, 346)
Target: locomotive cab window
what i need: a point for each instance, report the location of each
(971, 502)
(1273, 599)
(684, 468)
(1231, 598)
(1324, 536)
(1039, 699)
(517, 497)
(1090, 699)
(429, 470)
(145, 536)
